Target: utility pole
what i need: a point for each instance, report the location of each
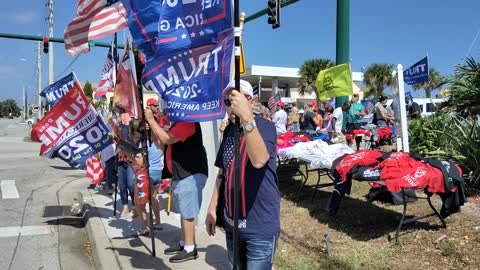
(24, 107)
(50, 35)
(39, 79)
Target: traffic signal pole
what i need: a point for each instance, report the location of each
(53, 39)
(343, 40)
(39, 80)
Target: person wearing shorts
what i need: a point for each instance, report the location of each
(155, 167)
(182, 142)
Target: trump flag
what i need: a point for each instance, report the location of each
(417, 73)
(55, 91)
(72, 130)
(191, 81)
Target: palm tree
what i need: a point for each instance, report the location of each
(464, 94)
(308, 74)
(378, 76)
(436, 81)
(368, 92)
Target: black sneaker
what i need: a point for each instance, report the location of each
(184, 256)
(173, 249)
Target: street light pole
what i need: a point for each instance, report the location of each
(343, 39)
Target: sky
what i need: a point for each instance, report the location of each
(393, 32)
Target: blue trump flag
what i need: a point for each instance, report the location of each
(55, 91)
(161, 27)
(417, 73)
(143, 22)
(191, 81)
(190, 23)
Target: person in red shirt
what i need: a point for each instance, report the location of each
(189, 176)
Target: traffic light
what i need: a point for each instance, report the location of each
(45, 44)
(273, 12)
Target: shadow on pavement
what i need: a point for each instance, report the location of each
(141, 260)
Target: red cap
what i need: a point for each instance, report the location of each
(281, 104)
(313, 104)
(152, 101)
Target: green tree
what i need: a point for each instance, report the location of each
(464, 94)
(9, 106)
(436, 81)
(99, 104)
(378, 77)
(88, 90)
(308, 74)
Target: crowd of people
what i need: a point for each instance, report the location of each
(169, 156)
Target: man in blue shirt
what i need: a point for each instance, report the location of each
(259, 217)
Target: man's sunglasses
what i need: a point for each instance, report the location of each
(228, 103)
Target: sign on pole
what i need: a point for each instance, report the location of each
(35, 108)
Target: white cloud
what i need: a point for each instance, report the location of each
(26, 17)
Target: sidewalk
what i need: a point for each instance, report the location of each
(114, 247)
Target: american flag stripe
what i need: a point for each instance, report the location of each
(95, 19)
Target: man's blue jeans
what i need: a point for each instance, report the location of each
(254, 254)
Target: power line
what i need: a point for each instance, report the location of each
(71, 63)
(473, 42)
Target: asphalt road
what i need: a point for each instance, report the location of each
(36, 229)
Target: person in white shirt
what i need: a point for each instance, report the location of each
(334, 127)
(280, 119)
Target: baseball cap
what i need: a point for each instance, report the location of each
(245, 86)
(281, 104)
(152, 101)
(301, 111)
(313, 104)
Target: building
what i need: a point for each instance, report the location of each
(267, 78)
(285, 80)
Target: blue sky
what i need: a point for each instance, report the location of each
(380, 32)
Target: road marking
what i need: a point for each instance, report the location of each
(9, 190)
(25, 230)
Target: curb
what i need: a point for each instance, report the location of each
(103, 253)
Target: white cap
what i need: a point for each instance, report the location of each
(301, 111)
(245, 86)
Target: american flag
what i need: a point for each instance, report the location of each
(94, 19)
(109, 72)
(273, 101)
(94, 170)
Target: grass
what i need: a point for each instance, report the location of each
(360, 232)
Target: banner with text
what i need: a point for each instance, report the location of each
(72, 130)
(55, 91)
(191, 81)
(417, 73)
(163, 27)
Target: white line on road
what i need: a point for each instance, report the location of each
(9, 190)
(25, 230)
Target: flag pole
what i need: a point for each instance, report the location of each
(144, 145)
(115, 160)
(236, 179)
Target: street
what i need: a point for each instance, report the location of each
(36, 228)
